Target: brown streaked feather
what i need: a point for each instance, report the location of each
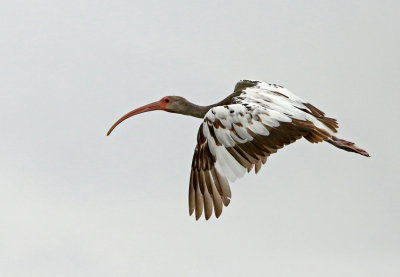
(314, 111)
(208, 190)
(192, 197)
(206, 180)
(212, 133)
(278, 93)
(331, 123)
(224, 186)
(244, 154)
(248, 149)
(258, 166)
(208, 203)
(199, 202)
(264, 159)
(239, 158)
(217, 200)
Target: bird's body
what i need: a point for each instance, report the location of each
(240, 132)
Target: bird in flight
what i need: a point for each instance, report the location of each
(240, 132)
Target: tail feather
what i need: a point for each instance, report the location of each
(331, 123)
(347, 146)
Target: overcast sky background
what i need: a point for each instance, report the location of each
(74, 202)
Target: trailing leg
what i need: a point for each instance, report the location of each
(346, 145)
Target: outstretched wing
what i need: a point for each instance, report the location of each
(234, 138)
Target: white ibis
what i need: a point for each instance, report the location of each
(240, 132)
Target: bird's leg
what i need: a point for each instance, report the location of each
(347, 146)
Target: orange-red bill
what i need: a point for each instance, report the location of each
(147, 108)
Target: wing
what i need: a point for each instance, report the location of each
(234, 138)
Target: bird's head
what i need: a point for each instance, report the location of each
(172, 104)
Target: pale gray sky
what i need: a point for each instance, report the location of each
(74, 202)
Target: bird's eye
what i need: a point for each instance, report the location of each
(166, 100)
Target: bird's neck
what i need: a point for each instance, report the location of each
(198, 111)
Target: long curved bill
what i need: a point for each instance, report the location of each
(147, 108)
